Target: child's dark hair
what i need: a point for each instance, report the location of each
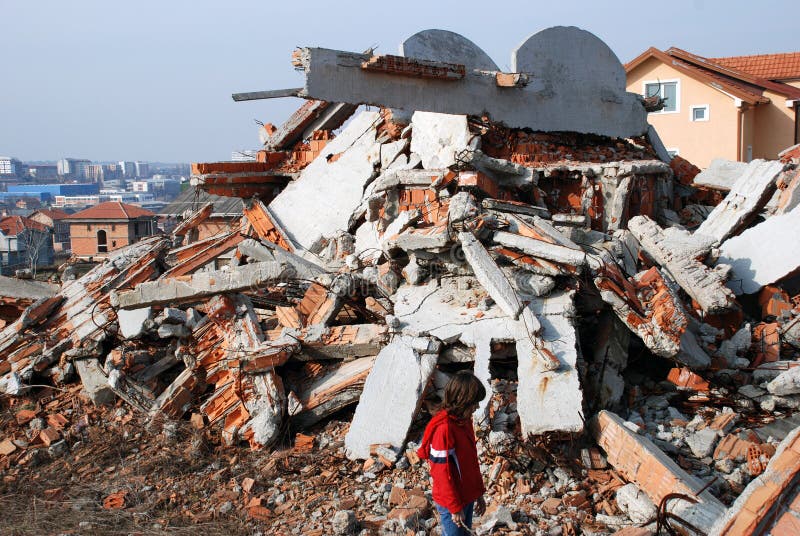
(461, 392)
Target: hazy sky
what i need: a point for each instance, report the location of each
(151, 80)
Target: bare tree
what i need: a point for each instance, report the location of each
(34, 241)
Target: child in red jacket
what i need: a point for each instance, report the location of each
(449, 446)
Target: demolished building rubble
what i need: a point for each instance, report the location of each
(522, 225)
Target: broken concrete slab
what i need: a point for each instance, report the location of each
(315, 205)
(762, 254)
(490, 275)
(786, 383)
(95, 381)
(540, 248)
(549, 400)
(749, 194)
(392, 393)
(721, 174)
(198, 286)
(438, 138)
(706, 286)
(131, 321)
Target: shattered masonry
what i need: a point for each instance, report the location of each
(477, 219)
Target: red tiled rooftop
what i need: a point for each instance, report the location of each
(13, 225)
(111, 210)
(770, 66)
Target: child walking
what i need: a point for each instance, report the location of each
(449, 445)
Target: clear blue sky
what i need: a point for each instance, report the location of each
(151, 80)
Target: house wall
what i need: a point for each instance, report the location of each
(698, 141)
(83, 237)
(774, 127)
(14, 250)
(60, 230)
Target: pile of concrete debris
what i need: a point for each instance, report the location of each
(528, 226)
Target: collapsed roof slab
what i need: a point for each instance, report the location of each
(704, 285)
(195, 287)
(570, 81)
(763, 254)
(392, 393)
(328, 191)
(751, 191)
(643, 463)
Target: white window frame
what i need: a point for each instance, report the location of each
(696, 107)
(677, 94)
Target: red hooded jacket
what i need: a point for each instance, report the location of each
(449, 446)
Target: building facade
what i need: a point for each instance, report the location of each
(712, 110)
(10, 166)
(108, 226)
(55, 219)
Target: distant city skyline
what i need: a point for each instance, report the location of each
(157, 82)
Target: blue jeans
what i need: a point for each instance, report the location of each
(448, 527)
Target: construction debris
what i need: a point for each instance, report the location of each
(476, 220)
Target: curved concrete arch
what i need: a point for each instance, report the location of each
(447, 46)
(566, 56)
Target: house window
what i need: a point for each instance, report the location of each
(698, 112)
(88, 226)
(102, 244)
(667, 90)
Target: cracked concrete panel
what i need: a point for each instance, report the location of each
(763, 254)
(550, 400)
(438, 138)
(446, 46)
(751, 191)
(720, 174)
(392, 394)
(324, 197)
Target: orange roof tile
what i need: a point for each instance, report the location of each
(111, 210)
(784, 66)
(13, 225)
(740, 84)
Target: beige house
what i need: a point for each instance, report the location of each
(738, 108)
